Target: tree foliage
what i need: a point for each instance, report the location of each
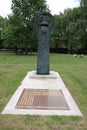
(3, 25)
(70, 26)
(20, 32)
(71, 29)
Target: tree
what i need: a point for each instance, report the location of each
(3, 25)
(70, 30)
(83, 4)
(24, 11)
(20, 29)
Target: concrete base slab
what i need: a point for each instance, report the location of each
(33, 81)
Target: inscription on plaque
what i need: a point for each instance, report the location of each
(44, 99)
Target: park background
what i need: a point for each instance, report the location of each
(70, 33)
(18, 55)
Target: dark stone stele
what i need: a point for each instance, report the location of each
(44, 26)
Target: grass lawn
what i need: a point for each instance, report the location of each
(73, 71)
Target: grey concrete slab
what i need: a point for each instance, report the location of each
(51, 81)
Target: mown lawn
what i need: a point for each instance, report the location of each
(73, 71)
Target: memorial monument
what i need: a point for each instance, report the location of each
(44, 26)
(42, 92)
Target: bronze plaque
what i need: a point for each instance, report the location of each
(44, 99)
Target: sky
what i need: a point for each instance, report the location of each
(5, 7)
(55, 6)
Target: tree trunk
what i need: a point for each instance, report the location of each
(26, 48)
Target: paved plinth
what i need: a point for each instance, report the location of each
(42, 95)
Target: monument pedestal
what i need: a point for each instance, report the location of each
(51, 75)
(42, 95)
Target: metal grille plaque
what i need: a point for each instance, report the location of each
(44, 99)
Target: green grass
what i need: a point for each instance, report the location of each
(73, 71)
